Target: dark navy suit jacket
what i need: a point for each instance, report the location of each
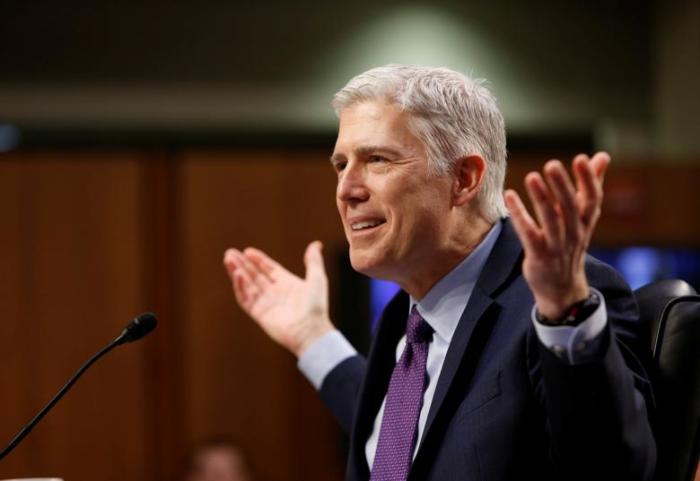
(506, 408)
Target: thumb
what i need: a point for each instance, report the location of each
(313, 260)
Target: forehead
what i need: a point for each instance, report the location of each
(375, 123)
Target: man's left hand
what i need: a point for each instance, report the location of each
(555, 245)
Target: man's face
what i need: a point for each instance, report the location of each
(394, 211)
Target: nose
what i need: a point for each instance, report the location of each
(352, 185)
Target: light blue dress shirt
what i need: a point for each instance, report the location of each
(442, 307)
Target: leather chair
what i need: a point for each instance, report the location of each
(671, 309)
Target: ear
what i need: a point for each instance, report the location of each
(469, 173)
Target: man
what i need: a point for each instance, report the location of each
(465, 379)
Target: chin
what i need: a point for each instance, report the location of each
(369, 264)
(360, 262)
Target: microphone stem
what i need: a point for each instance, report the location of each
(39, 416)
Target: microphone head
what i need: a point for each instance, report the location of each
(139, 327)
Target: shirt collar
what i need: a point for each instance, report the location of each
(444, 304)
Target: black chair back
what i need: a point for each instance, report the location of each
(671, 310)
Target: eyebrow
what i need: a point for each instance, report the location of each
(366, 150)
(336, 158)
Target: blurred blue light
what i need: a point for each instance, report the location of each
(639, 265)
(9, 137)
(380, 293)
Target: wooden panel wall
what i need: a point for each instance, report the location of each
(71, 264)
(88, 239)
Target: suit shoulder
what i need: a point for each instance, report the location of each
(604, 275)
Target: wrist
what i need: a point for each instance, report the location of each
(311, 336)
(557, 307)
(574, 315)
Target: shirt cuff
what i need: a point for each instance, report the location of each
(323, 356)
(574, 344)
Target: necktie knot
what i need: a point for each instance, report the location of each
(417, 330)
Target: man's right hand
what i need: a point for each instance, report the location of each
(291, 310)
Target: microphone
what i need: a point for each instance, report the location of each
(139, 327)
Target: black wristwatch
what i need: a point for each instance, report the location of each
(575, 314)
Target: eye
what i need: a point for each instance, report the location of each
(377, 158)
(339, 165)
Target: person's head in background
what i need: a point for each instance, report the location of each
(217, 460)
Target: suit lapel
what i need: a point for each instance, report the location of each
(475, 323)
(478, 305)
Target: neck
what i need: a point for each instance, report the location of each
(463, 241)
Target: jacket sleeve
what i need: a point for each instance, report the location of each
(341, 387)
(598, 411)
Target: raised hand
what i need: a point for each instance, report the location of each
(555, 245)
(291, 310)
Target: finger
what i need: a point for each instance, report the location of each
(587, 182)
(600, 163)
(590, 191)
(236, 280)
(266, 264)
(313, 260)
(239, 289)
(252, 273)
(528, 232)
(544, 204)
(230, 262)
(565, 194)
(244, 288)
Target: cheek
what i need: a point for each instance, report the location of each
(341, 213)
(338, 204)
(425, 220)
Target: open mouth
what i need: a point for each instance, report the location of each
(366, 225)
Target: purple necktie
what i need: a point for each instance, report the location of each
(397, 436)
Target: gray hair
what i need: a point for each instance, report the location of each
(451, 113)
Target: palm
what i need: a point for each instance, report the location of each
(283, 307)
(291, 310)
(280, 302)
